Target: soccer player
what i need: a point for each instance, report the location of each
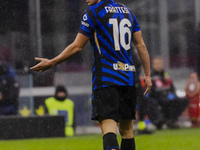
(111, 27)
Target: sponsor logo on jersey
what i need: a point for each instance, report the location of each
(85, 23)
(117, 10)
(124, 67)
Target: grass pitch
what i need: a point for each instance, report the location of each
(180, 139)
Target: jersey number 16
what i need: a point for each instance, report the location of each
(120, 30)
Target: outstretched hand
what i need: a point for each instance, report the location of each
(44, 64)
(147, 80)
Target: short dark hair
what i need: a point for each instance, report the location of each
(61, 88)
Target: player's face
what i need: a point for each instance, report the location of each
(92, 2)
(158, 64)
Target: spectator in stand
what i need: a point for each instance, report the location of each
(164, 105)
(9, 91)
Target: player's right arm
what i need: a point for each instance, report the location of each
(86, 30)
(66, 54)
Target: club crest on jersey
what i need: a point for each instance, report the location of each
(124, 67)
(112, 9)
(85, 17)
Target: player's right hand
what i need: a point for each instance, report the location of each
(44, 64)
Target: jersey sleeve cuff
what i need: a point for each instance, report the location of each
(84, 33)
(137, 29)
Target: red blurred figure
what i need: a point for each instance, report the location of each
(192, 90)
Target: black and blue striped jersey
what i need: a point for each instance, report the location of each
(110, 26)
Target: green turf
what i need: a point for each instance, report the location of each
(181, 139)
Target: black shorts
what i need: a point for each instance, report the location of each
(114, 102)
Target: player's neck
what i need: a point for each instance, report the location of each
(98, 1)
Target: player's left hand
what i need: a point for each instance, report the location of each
(44, 64)
(147, 80)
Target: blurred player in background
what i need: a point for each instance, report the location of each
(9, 91)
(111, 28)
(192, 90)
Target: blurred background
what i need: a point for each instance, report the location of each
(43, 28)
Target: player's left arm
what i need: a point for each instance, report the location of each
(144, 57)
(66, 54)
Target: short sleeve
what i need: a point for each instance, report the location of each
(136, 26)
(87, 23)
